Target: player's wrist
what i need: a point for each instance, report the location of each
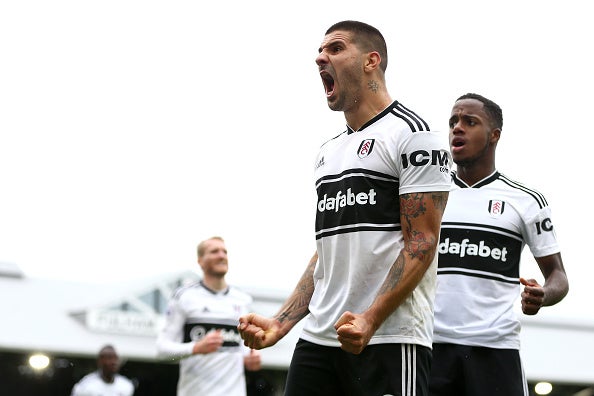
(371, 319)
(196, 348)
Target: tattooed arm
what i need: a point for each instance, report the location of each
(420, 217)
(259, 332)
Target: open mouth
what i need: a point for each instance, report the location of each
(457, 142)
(328, 82)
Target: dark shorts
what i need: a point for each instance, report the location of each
(383, 369)
(460, 370)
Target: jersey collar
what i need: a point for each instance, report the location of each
(374, 119)
(487, 180)
(226, 291)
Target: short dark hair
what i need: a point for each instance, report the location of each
(366, 37)
(107, 349)
(491, 108)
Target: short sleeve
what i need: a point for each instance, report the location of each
(424, 163)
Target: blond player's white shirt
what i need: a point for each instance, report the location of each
(359, 178)
(194, 311)
(93, 385)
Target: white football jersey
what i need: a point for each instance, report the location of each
(93, 385)
(193, 312)
(359, 178)
(484, 230)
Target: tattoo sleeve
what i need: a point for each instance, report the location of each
(393, 276)
(440, 199)
(420, 245)
(297, 305)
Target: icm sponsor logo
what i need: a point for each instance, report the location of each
(349, 198)
(545, 225)
(465, 248)
(423, 158)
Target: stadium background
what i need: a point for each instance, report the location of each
(69, 321)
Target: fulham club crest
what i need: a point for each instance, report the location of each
(365, 148)
(496, 207)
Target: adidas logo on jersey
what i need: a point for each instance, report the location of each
(320, 163)
(465, 248)
(349, 198)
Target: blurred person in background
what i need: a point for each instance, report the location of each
(201, 330)
(105, 381)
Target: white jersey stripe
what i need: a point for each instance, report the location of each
(482, 227)
(331, 179)
(403, 370)
(414, 365)
(478, 274)
(360, 226)
(524, 381)
(409, 369)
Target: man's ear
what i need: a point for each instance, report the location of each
(373, 61)
(495, 135)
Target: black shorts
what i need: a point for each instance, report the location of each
(382, 369)
(460, 370)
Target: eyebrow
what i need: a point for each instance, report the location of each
(464, 116)
(331, 43)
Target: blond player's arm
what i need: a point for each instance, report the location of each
(420, 218)
(260, 332)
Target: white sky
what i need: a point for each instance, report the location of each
(130, 130)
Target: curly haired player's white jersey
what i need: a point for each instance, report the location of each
(359, 178)
(484, 230)
(193, 312)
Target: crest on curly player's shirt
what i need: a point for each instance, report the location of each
(496, 207)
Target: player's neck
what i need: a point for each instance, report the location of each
(215, 283)
(472, 174)
(107, 378)
(368, 108)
